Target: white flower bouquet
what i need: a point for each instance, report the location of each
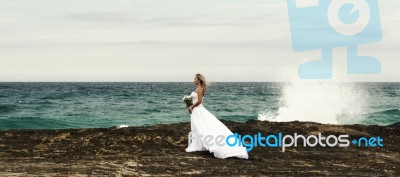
(188, 100)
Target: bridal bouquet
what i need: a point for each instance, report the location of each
(188, 100)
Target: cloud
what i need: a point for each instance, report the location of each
(242, 21)
(252, 35)
(194, 20)
(9, 19)
(263, 5)
(103, 17)
(237, 44)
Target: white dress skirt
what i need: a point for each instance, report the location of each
(203, 124)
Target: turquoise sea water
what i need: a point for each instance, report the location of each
(89, 105)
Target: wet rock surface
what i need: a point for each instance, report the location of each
(160, 151)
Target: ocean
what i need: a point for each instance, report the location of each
(62, 105)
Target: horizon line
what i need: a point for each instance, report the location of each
(308, 80)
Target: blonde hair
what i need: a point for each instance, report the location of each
(203, 81)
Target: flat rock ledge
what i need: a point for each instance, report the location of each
(160, 151)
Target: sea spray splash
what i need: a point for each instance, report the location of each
(318, 101)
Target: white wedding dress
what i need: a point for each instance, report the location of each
(203, 124)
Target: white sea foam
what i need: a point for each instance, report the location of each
(123, 126)
(318, 101)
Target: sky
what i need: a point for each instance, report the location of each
(168, 40)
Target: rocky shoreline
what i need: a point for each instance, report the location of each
(160, 151)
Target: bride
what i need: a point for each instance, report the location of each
(204, 124)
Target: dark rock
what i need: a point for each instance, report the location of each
(160, 149)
